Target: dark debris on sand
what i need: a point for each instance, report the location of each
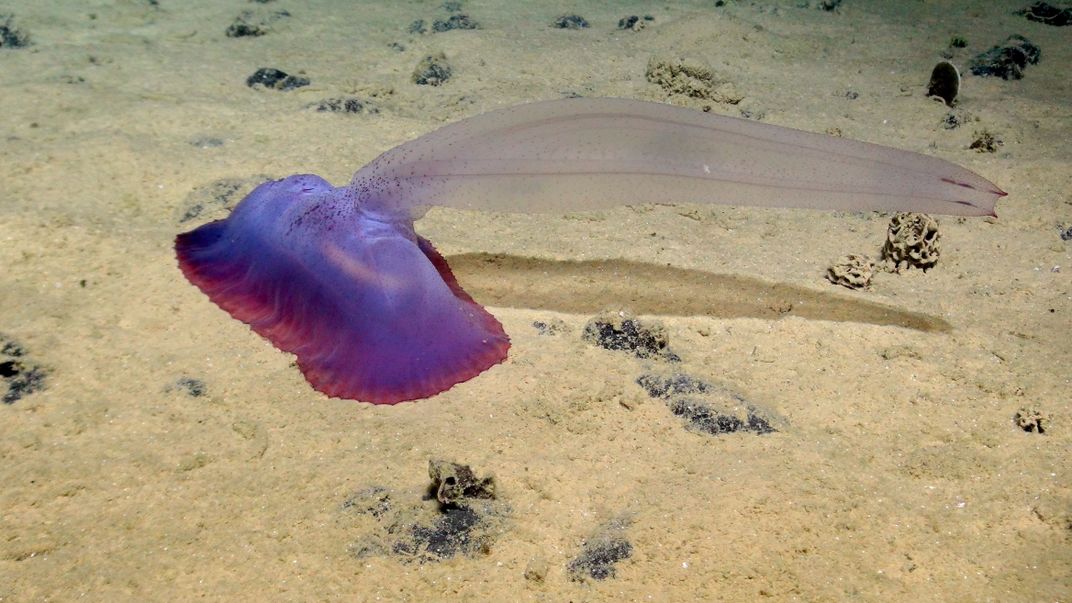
(707, 408)
(600, 553)
(10, 35)
(620, 331)
(275, 79)
(1007, 60)
(19, 376)
(459, 516)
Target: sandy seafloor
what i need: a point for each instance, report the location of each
(897, 472)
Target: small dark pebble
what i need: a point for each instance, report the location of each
(570, 22)
(958, 42)
(433, 70)
(852, 94)
(454, 22)
(599, 556)
(276, 79)
(944, 82)
(1043, 12)
(1066, 234)
(621, 332)
(348, 104)
(454, 484)
(1008, 60)
(829, 5)
(10, 35)
(195, 388)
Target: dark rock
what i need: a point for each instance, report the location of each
(620, 331)
(634, 22)
(276, 79)
(454, 22)
(417, 27)
(433, 70)
(10, 35)
(570, 22)
(1008, 60)
(1048, 14)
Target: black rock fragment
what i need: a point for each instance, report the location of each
(433, 70)
(620, 331)
(20, 376)
(570, 22)
(347, 104)
(1008, 60)
(1066, 233)
(275, 79)
(10, 35)
(454, 22)
(600, 554)
(634, 22)
(1043, 12)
